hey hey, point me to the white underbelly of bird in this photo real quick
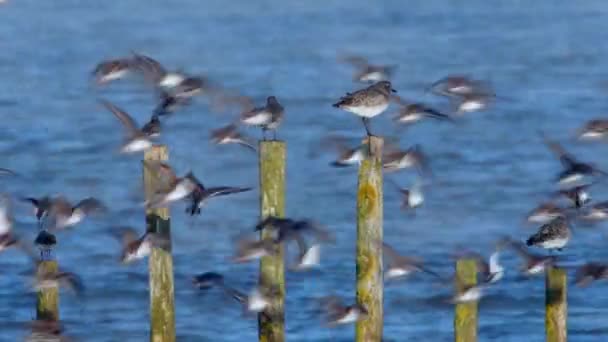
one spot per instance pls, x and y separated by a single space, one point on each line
554 243
367 111
137 145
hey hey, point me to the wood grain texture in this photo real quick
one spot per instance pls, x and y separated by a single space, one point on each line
271 323
556 302
162 301
47 303
370 286
465 315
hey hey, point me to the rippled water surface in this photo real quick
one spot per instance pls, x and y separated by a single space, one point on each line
547 60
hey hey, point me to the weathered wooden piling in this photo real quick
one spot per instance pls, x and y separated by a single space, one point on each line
465 318
556 311
370 286
271 323
47 303
162 307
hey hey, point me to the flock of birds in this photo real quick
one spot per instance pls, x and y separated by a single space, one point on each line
175 89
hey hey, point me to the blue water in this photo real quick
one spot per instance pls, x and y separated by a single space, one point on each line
546 58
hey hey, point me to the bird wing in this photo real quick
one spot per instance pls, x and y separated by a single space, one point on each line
161 170
151 69
223 190
126 120
71 281
565 158
90 204
125 235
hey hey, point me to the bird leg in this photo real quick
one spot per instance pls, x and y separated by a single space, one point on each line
367 126
264 133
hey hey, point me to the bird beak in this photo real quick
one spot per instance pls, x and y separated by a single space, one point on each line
393 90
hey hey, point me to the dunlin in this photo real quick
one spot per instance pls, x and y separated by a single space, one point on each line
309 256
545 212
366 72
589 272
596 129
578 195
112 69
64 215
68 280
368 102
412 112
135 247
412 197
230 135
7 238
169 103
289 229
152 127
248 249
597 212
552 235
336 313
458 85
256 301
491 271
347 156
398 266
136 139
41 205
533 263
395 159
268 117
468 294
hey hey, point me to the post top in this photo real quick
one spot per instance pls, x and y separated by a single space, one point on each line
45 239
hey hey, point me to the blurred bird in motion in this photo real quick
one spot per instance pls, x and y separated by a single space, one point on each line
366 72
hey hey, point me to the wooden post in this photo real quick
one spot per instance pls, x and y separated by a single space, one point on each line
556 305
369 252
465 318
47 303
271 323
162 307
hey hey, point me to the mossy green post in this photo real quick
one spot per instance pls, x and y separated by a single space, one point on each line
271 323
556 310
369 252
47 303
162 307
465 318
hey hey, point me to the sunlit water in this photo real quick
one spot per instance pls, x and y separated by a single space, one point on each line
546 59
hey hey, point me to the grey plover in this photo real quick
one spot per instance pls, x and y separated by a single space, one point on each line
230 135
112 69
574 171
268 117
552 235
136 139
337 313
589 272
366 72
368 102
63 214
595 129
533 264
398 266
395 159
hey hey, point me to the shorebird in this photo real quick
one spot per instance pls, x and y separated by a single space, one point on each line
112 69
7 172
269 117
41 205
596 212
552 235
395 159
337 313
368 102
68 280
169 103
256 301
64 215
7 237
136 139
347 156
288 229
412 197
470 293
398 266
366 72
473 102
596 129
309 256
188 186
230 135
177 83
135 247
545 212
47 329
590 272
413 112
247 249
152 127
573 170
458 85
491 271
533 263
578 195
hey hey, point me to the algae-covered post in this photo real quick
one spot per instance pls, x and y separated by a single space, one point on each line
556 305
272 269
465 318
162 309
47 303
369 252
